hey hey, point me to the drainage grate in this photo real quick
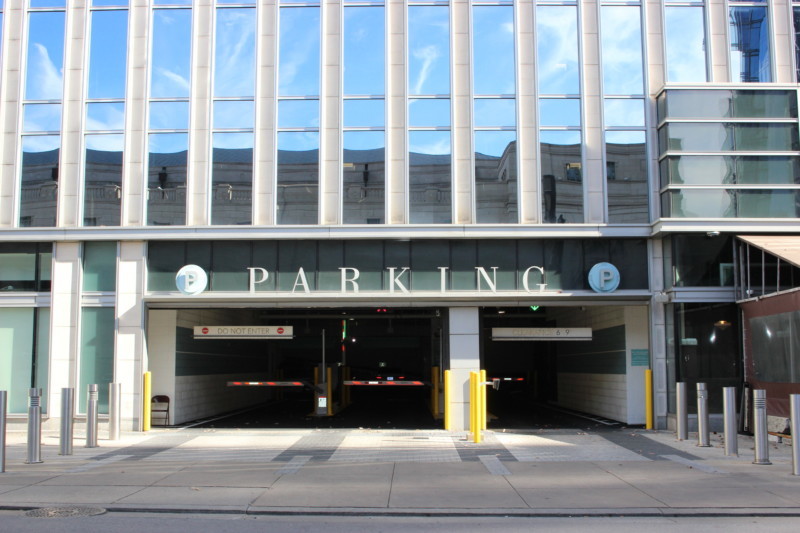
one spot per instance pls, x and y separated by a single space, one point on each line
64 512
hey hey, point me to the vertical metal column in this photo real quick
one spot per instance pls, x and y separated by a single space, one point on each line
91 417
760 427
702 416
683 411
34 427
67 424
794 417
114 395
3 403
731 433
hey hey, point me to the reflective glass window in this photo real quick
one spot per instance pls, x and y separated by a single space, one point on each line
493 50
796 24
166 179
700 203
108 50
429 112
41 118
39 180
772 170
96 355
748 30
562 176
169 115
45 57
621 41
700 170
428 50
491 112
626 177
429 177
105 116
25 267
364 113
298 114
299 51
495 177
234 114
235 52
171 53
364 177
232 179
557 48
708 137
18 326
685 43
364 50
99 266
298 178
623 112
560 112
102 199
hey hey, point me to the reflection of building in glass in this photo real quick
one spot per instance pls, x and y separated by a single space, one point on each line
562 183
496 186
39 188
750 43
430 188
166 189
626 184
364 186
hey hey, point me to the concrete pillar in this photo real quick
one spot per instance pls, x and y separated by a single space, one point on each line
130 346
397 114
264 156
465 357
330 149
161 327
461 94
10 90
527 134
199 178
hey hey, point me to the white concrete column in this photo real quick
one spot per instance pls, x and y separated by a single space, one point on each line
70 178
330 148
396 113
130 354
781 22
461 91
134 172
65 310
199 171
465 357
658 335
636 338
527 135
717 36
11 60
161 327
264 163
593 169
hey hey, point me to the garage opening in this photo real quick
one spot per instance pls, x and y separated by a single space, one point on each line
350 368
549 375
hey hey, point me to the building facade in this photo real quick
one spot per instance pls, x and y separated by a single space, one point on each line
429 173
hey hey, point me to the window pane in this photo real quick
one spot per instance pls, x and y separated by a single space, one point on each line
699 203
621 29
765 104
107 54
560 112
701 170
364 177
18 267
44 77
298 178
768 204
166 182
625 113
41 118
102 199
749 35
700 137
169 115
626 177
428 50
96 355
235 52
493 50
364 50
105 116
99 266
16 356
796 17
499 112
234 114
433 112
772 137
557 46
767 170
496 177
171 52
232 179
298 114
685 44
429 177
299 52
364 114
699 104
39 180
562 178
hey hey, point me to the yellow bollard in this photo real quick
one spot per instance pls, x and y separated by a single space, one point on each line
483 392
147 392
447 410
475 406
648 399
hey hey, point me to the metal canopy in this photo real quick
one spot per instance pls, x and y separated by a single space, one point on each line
787 247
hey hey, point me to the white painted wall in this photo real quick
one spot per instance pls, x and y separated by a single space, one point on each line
199 397
465 352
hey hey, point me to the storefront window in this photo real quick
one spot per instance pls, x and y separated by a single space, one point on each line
100 266
25 267
24 334
702 261
96 355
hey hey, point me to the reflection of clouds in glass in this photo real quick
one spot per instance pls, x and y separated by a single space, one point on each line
176 80
169 115
105 143
557 42
298 63
105 117
235 53
493 50
685 38
429 49
42 117
41 143
233 141
430 144
171 53
621 50
298 141
45 81
493 143
168 143
619 112
625 137
427 56
697 170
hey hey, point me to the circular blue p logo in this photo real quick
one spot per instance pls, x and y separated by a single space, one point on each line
604 277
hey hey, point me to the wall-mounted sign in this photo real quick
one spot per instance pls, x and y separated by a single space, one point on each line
604 277
541 334
640 357
191 280
243 332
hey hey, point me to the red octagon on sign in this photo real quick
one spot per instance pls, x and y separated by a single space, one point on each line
280 331
205 331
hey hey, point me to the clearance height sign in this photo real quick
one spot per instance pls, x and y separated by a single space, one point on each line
243 332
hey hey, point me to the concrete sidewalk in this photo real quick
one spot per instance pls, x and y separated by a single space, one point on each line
534 473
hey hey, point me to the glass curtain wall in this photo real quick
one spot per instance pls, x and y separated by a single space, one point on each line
796 27
430 181
105 113
168 122
560 135
24 347
364 137
623 113
41 113
234 114
494 89
749 35
685 40
297 192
